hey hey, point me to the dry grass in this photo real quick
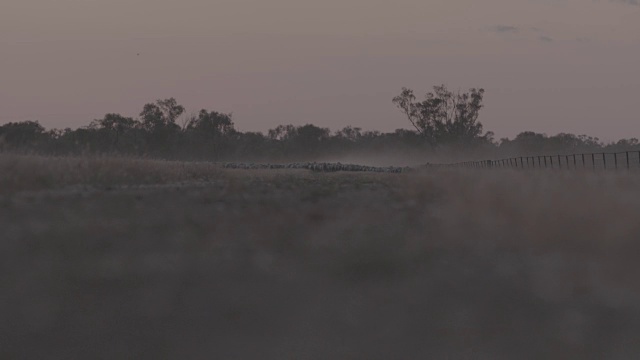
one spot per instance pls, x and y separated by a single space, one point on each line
31 173
300 265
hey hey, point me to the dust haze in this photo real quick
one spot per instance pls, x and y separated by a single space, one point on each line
336 179
119 257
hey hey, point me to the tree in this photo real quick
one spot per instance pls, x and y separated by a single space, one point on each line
210 133
158 120
115 126
211 124
114 122
283 133
351 134
444 116
311 134
300 140
161 115
22 134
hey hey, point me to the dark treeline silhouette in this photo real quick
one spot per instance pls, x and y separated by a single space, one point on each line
445 124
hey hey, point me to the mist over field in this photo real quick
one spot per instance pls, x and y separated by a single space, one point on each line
117 257
178 236
336 179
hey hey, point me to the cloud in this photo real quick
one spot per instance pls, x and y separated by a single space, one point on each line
526 31
583 39
507 29
630 2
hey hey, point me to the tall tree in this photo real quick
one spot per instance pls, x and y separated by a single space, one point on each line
158 120
210 133
161 115
211 124
114 125
444 116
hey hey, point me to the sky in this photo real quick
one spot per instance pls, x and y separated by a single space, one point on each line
547 65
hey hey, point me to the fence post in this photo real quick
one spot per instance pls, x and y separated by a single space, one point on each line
566 159
583 161
604 160
559 162
615 159
593 161
574 161
627 160
551 161
545 161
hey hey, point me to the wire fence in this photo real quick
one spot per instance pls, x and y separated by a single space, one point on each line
596 161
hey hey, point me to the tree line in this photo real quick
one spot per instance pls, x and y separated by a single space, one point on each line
444 122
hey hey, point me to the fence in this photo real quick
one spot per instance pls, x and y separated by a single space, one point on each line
602 160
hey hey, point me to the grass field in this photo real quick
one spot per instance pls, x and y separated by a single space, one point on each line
118 258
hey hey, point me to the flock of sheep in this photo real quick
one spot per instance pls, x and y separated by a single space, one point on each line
319 166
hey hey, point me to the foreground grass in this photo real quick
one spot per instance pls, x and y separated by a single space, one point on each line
299 265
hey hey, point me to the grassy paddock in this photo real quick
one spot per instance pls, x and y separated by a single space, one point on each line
299 265
32 172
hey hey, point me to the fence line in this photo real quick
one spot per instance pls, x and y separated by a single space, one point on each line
601 160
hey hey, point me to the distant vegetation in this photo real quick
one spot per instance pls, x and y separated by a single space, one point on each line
443 122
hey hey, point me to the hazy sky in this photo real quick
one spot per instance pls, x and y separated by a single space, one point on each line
547 65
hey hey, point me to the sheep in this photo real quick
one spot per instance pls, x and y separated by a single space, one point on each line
319 167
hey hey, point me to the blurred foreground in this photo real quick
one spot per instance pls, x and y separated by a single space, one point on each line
123 258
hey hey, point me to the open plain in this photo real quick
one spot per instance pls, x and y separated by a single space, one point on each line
131 258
